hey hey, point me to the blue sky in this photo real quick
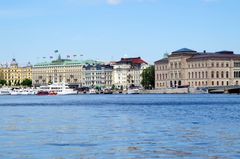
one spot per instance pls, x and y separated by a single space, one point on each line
111 29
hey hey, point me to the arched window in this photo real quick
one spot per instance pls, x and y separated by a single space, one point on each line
192 75
222 74
189 75
199 74
217 74
206 74
202 74
212 73
227 76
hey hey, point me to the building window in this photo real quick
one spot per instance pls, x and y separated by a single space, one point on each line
217 83
236 82
212 73
206 74
227 64
196 75
217 64
222 83
202 74
212 83
212 64
222 74
236 64
217 74
227 74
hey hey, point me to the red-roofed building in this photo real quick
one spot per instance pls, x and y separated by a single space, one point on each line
127 72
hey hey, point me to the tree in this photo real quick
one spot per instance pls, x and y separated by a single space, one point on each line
3 82
148 78
27 82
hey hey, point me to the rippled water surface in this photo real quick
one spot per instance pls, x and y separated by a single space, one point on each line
120 126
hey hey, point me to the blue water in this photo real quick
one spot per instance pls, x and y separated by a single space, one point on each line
120 126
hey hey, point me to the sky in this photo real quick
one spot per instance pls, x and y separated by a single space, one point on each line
107 30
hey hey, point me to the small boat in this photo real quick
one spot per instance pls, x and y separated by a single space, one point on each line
5 92
23 92
133 90
92 91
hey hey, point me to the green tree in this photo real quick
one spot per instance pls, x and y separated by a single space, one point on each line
27 82
3 82
148 78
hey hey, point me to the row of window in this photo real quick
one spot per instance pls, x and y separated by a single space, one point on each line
198 75
197 83
177 65
202 75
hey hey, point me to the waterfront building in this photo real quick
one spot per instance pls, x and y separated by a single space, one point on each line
15 74
99 75
60 71
127 72
187 67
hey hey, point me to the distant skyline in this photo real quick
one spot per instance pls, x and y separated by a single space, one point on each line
107 30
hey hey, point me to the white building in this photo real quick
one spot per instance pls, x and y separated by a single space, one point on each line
127 72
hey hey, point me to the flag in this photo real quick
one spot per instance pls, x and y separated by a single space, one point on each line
68 56
44 57
56 51
51 57
74 55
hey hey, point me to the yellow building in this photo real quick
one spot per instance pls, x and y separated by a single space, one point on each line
14 75
187 67
60 71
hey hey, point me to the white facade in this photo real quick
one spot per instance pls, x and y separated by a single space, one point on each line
128 72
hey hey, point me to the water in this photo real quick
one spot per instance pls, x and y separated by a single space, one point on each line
120 126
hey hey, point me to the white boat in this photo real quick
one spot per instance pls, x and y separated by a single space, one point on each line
133 90
5 92
92 91
23 92
58 89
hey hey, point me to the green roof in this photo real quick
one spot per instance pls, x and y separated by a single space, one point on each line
66 62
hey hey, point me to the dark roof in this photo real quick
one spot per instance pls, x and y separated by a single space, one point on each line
134 60
164 60
184 50
97 66
222 55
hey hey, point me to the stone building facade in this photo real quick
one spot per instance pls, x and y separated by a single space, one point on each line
98 75
187 67
60 71
14 74
127 72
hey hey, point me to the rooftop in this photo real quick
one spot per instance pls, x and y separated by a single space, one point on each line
133 60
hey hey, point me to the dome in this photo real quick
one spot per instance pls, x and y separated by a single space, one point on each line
14 62
184 50
29 64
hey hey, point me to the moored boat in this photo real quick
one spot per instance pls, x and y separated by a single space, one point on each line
57 89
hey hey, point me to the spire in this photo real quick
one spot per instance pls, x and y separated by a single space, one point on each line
59 57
